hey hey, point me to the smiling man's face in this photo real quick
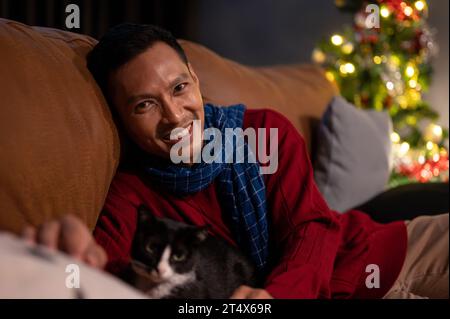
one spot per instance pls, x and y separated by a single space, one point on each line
154 93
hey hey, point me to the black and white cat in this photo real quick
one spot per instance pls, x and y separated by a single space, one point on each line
170 259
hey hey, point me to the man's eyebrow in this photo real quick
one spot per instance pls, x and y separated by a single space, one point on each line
180 78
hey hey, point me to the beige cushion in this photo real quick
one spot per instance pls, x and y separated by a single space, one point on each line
59 147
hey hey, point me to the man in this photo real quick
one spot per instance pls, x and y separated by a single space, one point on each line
280 220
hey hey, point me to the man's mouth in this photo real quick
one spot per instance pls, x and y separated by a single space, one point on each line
179 133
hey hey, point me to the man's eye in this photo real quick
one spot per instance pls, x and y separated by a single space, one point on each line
143 106
180 87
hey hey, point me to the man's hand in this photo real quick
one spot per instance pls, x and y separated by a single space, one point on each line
246 292
69 235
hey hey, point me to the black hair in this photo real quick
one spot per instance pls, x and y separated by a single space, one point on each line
121 44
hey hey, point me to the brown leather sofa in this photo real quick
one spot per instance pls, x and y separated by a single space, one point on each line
59 148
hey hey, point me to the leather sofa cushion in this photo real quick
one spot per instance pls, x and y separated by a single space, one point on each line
58 145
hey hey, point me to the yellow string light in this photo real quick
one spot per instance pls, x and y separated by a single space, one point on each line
411 120
404 148
337 40
413 96
389 85
433 133
408 11
384 11
318 56
347 48
330 76
402 101
347 68
420 5
350 68
395 60
437 130
412 83
410 71
395 138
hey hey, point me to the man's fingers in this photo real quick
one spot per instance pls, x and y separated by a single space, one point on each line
74 237
241 293
29 234
246 292
259 294
48 234
70 235
96 256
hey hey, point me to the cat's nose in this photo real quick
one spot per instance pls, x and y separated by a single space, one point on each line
161 271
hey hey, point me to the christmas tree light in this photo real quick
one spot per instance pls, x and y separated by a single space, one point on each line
388 69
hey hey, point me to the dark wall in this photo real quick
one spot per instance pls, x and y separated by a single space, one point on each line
98 15
265 32
260 32
255 32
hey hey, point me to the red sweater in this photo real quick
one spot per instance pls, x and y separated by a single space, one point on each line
318 253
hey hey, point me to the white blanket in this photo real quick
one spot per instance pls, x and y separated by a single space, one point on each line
31 271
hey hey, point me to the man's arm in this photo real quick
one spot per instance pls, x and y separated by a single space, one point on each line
117 223
305 232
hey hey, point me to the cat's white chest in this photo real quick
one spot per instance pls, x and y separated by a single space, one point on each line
164 289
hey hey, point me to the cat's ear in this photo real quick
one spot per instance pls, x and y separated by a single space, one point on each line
144 215
202 233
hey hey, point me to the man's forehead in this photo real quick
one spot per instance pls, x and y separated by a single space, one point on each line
158 54
158 65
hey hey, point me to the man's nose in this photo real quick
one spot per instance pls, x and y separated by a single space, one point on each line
173 112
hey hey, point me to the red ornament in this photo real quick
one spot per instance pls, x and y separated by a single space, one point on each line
397 7
425 172
388 102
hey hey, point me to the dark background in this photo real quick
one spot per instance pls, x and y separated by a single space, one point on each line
97 16
254 32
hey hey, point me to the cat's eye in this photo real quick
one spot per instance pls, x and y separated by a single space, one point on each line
178 257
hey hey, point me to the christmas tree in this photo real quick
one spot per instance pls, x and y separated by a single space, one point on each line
383 62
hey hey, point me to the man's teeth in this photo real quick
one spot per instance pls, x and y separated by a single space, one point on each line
180 133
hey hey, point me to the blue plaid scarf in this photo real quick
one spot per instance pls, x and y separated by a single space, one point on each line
240 185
